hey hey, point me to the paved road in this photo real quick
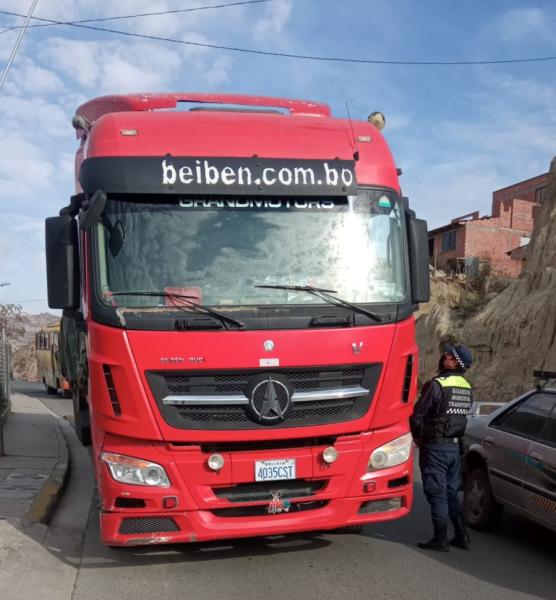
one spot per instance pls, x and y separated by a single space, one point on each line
518 561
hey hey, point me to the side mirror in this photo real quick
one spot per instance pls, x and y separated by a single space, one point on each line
62 262
418 243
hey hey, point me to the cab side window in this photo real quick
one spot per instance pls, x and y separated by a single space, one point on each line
529 417
548 433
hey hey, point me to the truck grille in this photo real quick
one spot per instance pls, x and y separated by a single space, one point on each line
221 400
258 492
196 383
256 511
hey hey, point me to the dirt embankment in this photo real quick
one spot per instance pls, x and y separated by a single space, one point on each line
24 359
514 331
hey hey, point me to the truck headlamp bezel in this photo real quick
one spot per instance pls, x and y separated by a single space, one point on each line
135 471
393 453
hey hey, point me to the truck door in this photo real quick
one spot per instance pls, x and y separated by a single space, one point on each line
540 474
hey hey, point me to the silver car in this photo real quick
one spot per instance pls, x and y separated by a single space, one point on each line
510 459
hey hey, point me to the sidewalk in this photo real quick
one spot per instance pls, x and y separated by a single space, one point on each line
33 470
40 548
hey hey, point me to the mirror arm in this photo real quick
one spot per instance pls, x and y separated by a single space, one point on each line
73 208
91 210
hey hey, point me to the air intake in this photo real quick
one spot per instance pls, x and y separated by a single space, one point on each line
148 525
112 390
407 379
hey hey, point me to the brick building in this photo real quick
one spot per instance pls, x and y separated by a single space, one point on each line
498 239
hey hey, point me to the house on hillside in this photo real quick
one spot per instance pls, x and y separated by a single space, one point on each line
500 239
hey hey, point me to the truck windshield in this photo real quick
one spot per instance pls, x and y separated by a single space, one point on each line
218 249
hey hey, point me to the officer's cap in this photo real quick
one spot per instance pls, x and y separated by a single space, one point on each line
461 353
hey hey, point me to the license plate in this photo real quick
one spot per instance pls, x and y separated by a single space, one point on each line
275 470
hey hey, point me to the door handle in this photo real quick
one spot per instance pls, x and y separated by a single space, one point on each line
489 441
535 456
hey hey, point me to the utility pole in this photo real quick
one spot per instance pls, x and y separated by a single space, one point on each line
4 350
17 43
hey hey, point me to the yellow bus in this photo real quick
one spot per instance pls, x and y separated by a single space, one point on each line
48 364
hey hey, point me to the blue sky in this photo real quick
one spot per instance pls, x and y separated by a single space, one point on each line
457 132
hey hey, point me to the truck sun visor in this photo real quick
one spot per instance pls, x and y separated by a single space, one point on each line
215 175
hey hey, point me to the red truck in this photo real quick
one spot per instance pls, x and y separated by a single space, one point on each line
238 276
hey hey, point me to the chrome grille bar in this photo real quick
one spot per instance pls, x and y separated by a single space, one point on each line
333 394
241 399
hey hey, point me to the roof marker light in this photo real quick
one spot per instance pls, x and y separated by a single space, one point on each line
377 119
129 132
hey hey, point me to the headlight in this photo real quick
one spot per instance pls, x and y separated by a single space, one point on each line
135 471
391 454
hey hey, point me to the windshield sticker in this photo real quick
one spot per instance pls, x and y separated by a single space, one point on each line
384 202
279 203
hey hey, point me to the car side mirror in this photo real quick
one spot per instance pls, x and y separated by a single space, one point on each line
62 262
418 244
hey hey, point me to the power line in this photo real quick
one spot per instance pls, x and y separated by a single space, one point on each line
19 301
134 16
17 43
444 63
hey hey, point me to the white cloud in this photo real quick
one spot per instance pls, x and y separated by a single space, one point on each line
525 24
277 15
30 79
118 67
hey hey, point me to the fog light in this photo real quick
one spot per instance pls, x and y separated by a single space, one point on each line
329 455
170 502
215 462
376 506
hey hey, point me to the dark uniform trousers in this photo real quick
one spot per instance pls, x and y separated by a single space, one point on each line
441 475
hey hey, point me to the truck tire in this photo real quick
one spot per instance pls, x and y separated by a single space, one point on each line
479 505
82 421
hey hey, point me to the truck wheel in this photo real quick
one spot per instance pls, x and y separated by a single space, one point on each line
82 422
479 506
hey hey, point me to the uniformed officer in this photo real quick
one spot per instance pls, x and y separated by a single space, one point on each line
438 424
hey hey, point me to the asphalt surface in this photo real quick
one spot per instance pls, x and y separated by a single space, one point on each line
518 560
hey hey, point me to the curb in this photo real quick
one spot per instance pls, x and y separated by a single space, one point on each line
42 507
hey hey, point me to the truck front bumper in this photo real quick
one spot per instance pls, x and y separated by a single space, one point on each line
202 504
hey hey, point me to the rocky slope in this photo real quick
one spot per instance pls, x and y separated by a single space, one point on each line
515 332
24 360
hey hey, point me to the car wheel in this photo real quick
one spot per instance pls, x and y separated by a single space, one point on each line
479 506
51 391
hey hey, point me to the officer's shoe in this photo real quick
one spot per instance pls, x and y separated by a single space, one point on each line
439 541
461 539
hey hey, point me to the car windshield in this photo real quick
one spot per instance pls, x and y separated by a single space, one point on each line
216 250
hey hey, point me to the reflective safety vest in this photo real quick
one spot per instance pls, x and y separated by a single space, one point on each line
451 417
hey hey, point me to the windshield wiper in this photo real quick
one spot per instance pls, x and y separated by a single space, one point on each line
195 306
325 295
